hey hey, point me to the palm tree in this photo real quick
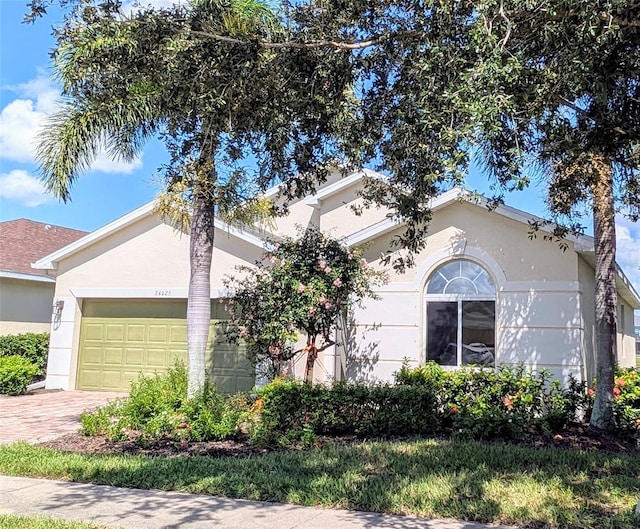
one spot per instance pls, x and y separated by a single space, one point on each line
128 79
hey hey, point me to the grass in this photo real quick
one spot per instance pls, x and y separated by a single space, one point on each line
487 482
9 521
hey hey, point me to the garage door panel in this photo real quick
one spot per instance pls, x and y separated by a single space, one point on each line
94 332
91 379
157 357
92 355
136 332
158 333
134 356
115 332
116 346
111 380
178 333
113 356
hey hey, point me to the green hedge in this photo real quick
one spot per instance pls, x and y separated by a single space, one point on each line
31 346
289 408
16 373
507 403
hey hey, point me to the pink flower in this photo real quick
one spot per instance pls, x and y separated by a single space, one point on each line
322 299
363 262
327 270
272 259
328 305
322 264
243 333
386 279
312 310
337 282
301 287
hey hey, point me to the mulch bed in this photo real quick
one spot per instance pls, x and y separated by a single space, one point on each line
577 437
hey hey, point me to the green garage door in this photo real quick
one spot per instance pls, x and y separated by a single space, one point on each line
119 340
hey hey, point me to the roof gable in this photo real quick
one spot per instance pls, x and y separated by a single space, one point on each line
50 261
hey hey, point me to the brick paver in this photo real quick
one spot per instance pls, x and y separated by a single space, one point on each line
42 416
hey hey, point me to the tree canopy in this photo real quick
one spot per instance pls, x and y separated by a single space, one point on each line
530 89
302 286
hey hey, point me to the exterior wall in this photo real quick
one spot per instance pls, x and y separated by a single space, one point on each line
538 299
626 339
544 296
25 306
586 275
146 260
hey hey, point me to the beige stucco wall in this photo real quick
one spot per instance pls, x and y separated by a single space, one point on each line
505 240
25 306
145 260
148 254
586 275
626 338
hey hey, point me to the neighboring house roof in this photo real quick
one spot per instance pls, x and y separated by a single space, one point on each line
24 241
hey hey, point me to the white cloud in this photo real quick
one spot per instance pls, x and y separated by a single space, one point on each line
628 248
20 186
22 119
104 164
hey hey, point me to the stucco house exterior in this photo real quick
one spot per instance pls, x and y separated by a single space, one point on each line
26 294
482 292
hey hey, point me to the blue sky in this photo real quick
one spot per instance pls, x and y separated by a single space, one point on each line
111 189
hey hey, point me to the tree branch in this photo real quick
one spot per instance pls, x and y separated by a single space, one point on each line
312 44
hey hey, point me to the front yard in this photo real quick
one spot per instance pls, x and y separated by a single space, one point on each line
469 480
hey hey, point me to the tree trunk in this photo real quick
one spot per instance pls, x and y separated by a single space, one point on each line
199 302
606 300
312 354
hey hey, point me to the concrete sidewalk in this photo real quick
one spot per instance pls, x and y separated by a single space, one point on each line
151 509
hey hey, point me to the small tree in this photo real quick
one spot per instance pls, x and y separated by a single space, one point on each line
301 286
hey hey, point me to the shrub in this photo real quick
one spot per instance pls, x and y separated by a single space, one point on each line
626 393
31 346
287 411
15 374
627 400
158 407
508 402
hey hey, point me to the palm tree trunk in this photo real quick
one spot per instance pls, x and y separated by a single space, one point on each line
606 300
199 302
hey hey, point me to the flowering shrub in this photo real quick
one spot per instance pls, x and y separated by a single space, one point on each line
626 399
301 286
507 403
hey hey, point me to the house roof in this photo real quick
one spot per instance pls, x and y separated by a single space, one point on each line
583 244
24 241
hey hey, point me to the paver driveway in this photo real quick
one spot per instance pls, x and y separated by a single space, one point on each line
45 415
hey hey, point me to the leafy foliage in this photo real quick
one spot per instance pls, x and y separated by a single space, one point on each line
16 373
157 407
301 286
31 346
509 403
626 391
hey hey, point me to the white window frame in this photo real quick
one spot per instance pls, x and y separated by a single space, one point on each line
459 299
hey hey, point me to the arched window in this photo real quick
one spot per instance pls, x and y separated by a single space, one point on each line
461 315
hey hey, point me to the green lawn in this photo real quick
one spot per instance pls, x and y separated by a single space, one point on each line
8 521
489 482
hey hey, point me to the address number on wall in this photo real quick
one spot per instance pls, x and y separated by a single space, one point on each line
163 293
